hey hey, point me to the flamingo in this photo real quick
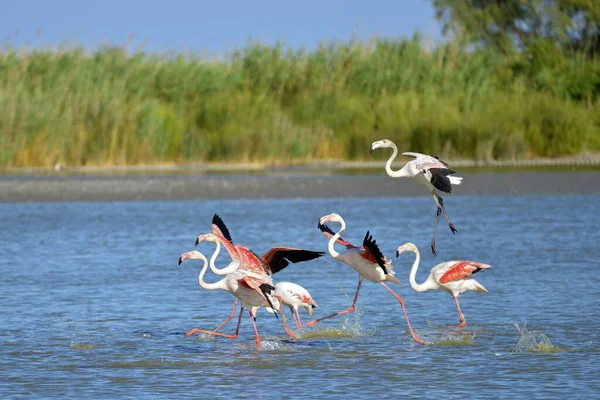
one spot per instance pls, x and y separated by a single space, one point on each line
273 261
253 290
426 170
295 296
367 260
451 276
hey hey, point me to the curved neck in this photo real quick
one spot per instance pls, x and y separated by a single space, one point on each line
388 164
210 286
334 238
222 271
413 274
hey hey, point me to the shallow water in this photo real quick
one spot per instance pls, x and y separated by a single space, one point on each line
94 304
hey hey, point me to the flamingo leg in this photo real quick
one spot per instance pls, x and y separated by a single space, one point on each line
253 318
415 337
463 321
234 336
290 334
437 220
228 319
298 318
350 310
450 225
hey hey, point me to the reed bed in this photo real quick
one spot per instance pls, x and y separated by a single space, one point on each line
274 104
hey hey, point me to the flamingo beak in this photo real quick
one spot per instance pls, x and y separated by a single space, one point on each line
198 240
399 251
183 257
323 220
371 149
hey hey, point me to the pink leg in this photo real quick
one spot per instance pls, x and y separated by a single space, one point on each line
253 317
234 336
298 322
416 339
281 307
228 319
463 322
351 309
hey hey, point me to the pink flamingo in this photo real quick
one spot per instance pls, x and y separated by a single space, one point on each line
451 276
426 170
253 290
247 275
295 296
273 261
367 260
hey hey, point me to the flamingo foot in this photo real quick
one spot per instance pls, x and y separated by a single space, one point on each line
452 228
311 323
433 249
461 325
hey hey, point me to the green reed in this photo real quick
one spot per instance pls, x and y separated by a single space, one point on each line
275 104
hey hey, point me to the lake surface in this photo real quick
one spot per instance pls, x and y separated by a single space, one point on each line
94 304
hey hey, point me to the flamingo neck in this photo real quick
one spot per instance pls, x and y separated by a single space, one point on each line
388 165
334 238
210 286
413 274
222 271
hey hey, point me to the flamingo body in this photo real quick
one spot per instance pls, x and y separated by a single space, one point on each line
451 276
426 170
295 297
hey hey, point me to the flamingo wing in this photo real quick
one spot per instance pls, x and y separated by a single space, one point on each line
277 258
425 158
372 253
462 269
251 262
220 231
329 234
438 177
262 287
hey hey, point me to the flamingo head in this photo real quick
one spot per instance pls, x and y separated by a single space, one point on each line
330 218
192 255
381 144
311 305
406 247
209 237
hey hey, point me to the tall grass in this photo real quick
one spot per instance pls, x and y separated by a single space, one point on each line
274 104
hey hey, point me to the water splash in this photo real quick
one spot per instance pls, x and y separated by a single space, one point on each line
82 346
535 341
450 340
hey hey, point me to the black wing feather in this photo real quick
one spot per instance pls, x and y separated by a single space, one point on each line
266 289
371 244
326 229
221 225
440 180
283 258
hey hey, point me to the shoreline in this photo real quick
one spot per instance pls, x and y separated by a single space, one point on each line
148 187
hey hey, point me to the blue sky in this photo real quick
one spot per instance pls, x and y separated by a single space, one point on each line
209 27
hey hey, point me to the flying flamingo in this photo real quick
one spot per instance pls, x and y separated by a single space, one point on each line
273 261
426 170
295 296
451 276
254 291
367 260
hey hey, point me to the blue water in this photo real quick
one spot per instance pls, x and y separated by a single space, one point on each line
94 304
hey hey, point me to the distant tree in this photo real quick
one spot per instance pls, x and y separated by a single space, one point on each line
507 25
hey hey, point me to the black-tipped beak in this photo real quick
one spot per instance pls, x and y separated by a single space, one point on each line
371 149
197 241
397 253
180 260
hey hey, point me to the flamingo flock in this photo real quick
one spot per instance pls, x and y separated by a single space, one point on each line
249 277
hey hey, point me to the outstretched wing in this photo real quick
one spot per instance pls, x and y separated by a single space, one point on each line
439 178
329 234
222 233
425 158
462 269
219 228
278 258
372 253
